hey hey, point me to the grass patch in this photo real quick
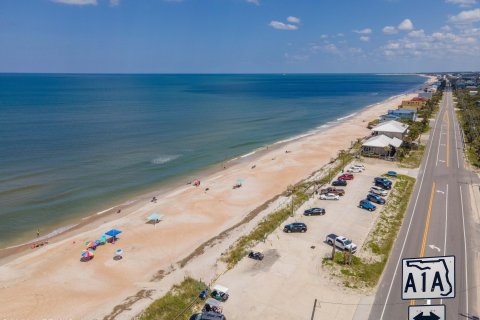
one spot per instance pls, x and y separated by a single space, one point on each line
413 158
363 272
181 298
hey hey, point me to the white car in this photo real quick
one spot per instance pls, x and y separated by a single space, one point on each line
354 170
329 196
360 166
379 191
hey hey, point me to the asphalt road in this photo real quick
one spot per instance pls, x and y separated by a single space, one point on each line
437 223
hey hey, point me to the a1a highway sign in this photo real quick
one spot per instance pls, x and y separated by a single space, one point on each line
430 312
428 278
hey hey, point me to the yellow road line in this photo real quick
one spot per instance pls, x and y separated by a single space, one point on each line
427 223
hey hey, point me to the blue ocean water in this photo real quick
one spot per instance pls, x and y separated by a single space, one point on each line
72 144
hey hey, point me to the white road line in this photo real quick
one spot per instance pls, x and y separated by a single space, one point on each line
410 222
455 133
446 221
465 245
440 138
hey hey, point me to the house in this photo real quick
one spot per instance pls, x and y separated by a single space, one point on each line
426 95
472 93
407 114
381 145
414 104
391 129
388 117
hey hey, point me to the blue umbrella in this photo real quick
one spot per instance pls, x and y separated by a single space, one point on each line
154 216
113 233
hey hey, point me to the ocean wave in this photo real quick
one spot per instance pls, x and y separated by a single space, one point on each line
346 117
165 159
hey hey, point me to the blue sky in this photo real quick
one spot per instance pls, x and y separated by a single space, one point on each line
239 36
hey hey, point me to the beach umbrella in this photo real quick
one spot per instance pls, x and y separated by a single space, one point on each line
155 217
88 253
118 252
102 239
113 233
91 244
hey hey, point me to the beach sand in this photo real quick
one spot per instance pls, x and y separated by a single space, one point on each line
51 282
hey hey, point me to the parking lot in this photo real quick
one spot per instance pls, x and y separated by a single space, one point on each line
285 284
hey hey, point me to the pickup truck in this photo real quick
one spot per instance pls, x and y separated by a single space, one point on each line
333 190
341 242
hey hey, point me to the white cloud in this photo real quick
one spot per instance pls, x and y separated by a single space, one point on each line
324 36
365 38
466 16
257 2
293 19
417 33
389 30
77 2
282 26
114 3
363 31
462 3
340 34
405 25
392 45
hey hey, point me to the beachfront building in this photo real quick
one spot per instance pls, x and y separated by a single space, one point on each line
391 129
414 104
472 93
381 146
405 114
425 95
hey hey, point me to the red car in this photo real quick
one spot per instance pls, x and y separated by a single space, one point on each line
346 176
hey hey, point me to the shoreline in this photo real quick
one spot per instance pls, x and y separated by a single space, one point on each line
164 188
192 216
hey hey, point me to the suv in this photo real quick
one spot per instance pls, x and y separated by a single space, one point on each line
375 198
387 185
339 183
367 205
208 316
314 212
333 190
295 227
329 196
382 179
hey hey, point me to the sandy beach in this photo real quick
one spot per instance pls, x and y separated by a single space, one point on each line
51 282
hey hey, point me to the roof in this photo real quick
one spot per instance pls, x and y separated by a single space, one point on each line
382 141
402 111
391 126
419 99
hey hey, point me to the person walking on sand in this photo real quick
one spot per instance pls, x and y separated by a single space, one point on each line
38 233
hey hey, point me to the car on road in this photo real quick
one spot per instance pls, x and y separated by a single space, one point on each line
339 183
333 190
329 196
346 176
367 205
255 255
341 242
379 191
314 212
354 170
295 227
208 316
375 198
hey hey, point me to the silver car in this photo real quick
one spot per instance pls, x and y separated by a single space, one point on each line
379 191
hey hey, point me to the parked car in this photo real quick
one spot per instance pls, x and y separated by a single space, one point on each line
314 212
208 316
354 170
333 190
341 242
357 165
339 183
255 255
379 191
220 293
367 205
392 173
329 196
346 176
295 227
375 198
382 179
384 185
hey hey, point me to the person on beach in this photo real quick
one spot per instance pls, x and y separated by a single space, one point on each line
38 233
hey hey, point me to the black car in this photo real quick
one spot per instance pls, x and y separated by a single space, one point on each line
339 183
375 198
208 316
384 184
255 255
314 212
295 227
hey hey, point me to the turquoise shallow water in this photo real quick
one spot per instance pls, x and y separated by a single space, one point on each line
71 144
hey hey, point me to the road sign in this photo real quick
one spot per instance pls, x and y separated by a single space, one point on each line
430 312
428 278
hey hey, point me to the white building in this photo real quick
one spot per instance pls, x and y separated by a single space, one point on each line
381 145
391 129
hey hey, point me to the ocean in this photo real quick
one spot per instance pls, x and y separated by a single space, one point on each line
75 144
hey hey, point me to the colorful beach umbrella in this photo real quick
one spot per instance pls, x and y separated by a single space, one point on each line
91 244
88 253
113 233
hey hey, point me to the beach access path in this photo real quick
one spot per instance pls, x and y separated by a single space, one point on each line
51 282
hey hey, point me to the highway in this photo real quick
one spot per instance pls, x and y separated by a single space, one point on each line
437 223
